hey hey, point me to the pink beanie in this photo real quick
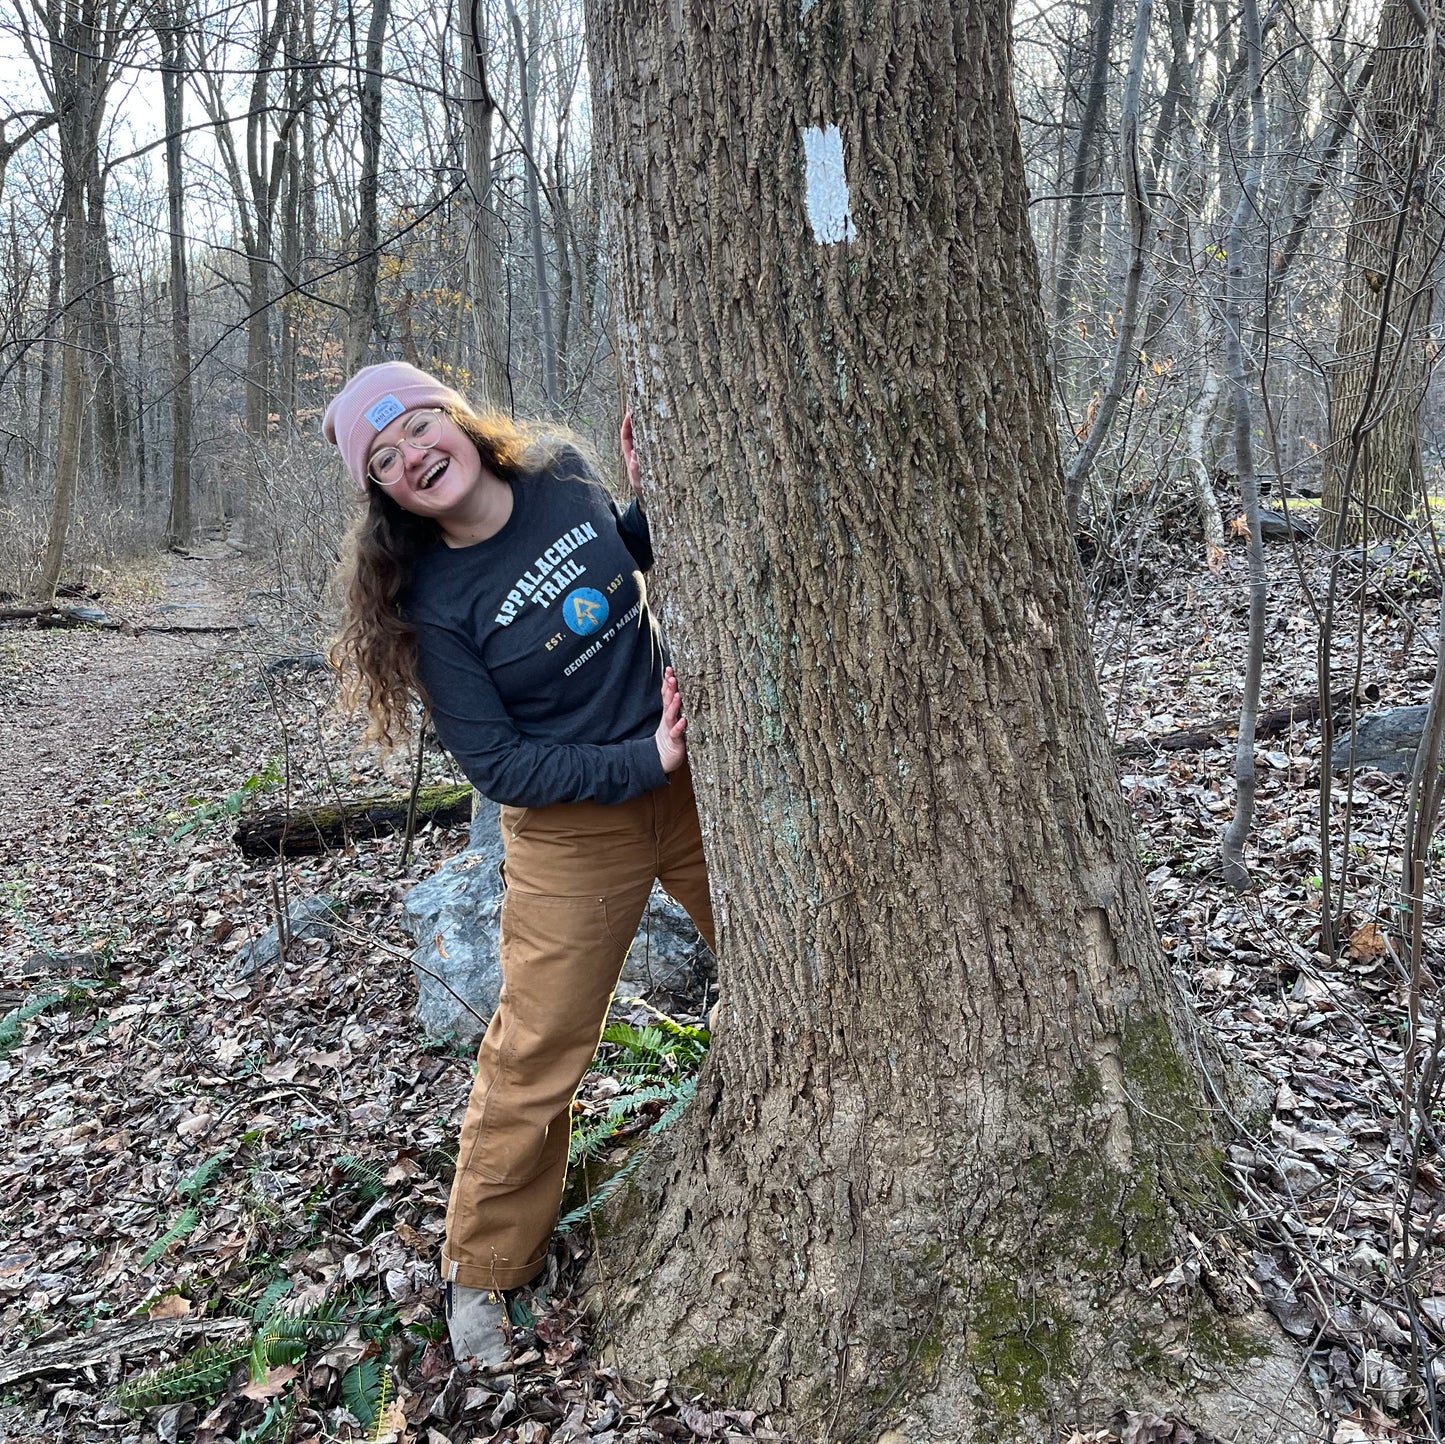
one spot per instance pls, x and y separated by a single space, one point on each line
372 400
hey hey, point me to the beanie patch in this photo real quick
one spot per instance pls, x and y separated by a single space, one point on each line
383 412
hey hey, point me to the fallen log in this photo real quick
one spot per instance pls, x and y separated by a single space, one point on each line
128 1341
301 831
1200 736
215 630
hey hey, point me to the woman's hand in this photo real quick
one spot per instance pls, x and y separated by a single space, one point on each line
672 730
629 456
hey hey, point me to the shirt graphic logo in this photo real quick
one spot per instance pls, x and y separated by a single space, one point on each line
585 610
384 412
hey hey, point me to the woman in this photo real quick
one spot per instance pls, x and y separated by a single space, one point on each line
492 577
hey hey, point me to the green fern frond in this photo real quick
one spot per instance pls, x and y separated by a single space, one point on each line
686 1091
361 1391
185 1224
382 1400
626 1104
698 1035
14 1021
275 1423
201 1374
361 1176
270 1299
195 1182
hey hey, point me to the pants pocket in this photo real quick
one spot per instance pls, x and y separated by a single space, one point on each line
559 966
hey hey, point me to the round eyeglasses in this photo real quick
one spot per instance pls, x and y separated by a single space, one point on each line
421 431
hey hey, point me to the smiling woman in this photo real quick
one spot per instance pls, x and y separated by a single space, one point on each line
493 579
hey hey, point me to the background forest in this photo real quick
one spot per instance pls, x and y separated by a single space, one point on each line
210 214
238 203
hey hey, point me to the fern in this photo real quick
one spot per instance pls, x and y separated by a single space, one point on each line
684 1095
194 1183
12 1023
692 1039
267 1304
278 1412
658 1064
184 1225
382 1400
361 1176
201 1374
285 1334
361 1391
590 1139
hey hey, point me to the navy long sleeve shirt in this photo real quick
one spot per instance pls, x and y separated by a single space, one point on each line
538 652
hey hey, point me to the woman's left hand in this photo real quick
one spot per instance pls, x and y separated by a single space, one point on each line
629 456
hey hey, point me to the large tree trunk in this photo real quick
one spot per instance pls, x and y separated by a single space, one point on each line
952 1125
1374 476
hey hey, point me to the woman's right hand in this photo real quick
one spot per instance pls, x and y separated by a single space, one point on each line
672 730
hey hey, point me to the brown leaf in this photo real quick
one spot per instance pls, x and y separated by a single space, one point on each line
1367 943
1239 528
173 1306
275 1381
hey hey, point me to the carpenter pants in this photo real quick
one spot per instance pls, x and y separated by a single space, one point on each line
578 876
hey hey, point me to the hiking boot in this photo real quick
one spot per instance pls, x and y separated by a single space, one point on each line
478 1325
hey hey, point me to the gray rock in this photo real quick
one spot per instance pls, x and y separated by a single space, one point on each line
454 917
1387 740
1274 526
307 917
461 904
86 616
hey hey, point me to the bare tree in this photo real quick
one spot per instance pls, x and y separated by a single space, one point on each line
487 313
1241 249
73 44
527 52
170 20
361 316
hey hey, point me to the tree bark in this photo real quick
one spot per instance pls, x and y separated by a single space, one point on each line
488 313
170 27
546 331
75 74
109 410
1084 175
1393 239
361 316
1240 249
1136 215
952 1124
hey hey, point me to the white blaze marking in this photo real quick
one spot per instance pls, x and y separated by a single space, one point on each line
827 187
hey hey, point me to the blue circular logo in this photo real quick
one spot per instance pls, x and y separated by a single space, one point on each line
585 610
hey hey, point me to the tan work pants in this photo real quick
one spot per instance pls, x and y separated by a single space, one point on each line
578 876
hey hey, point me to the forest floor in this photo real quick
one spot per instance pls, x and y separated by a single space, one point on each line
181 1148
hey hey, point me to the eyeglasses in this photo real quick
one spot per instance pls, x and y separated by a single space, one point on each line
422 431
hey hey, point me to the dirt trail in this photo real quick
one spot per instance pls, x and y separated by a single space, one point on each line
69 699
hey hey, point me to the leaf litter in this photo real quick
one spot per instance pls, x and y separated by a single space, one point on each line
192 1133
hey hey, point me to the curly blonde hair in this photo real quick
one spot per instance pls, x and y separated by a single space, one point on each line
375 650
